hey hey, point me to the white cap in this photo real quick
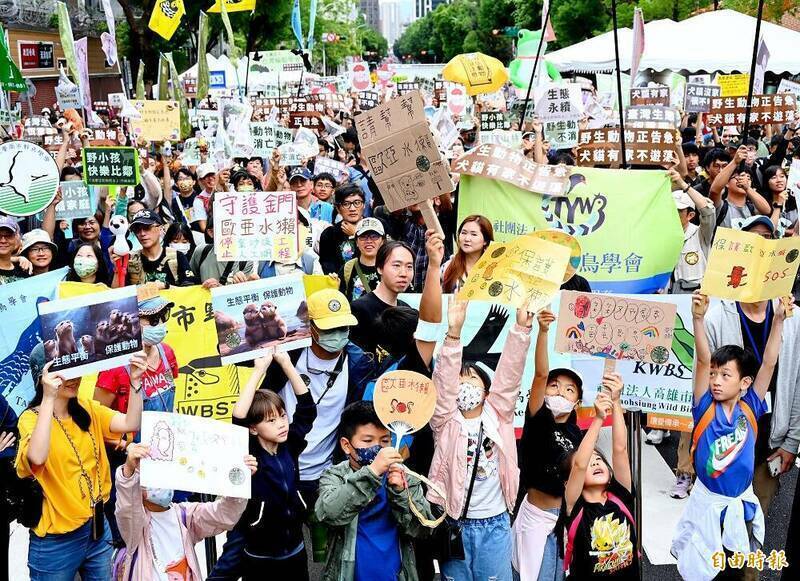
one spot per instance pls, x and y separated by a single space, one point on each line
682 200
370 225
205 169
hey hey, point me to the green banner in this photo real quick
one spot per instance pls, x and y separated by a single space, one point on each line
68 42
625 221
110 166
140 82
163 78
10 77
202 58
179 96
233 51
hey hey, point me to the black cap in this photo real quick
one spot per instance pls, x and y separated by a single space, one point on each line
569 373
146 218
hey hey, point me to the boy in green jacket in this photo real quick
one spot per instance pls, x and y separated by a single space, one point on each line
364 502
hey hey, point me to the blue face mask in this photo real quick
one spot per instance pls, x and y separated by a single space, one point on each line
334 340
366 456
160 496
154 335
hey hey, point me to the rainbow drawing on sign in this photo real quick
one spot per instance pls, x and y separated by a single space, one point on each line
650 332
573 333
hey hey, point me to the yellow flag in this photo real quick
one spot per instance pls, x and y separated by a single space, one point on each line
233 5
166 17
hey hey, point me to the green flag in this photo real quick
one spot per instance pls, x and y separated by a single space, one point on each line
68 42
179 96
233 52
10 77
163 78
140 82
202 58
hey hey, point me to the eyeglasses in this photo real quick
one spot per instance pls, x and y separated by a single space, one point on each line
41 249
89 224
370 236
156 319
324 185
352 204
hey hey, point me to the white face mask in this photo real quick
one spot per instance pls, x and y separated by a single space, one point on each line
558 404
182 247
469 396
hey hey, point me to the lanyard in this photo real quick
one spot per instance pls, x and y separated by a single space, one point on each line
746 329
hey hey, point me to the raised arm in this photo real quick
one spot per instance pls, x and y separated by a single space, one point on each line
619 433
430 305
719 183
242 405
759 201
772 349
39 445
541 361
447 373
702 367
131 420
129 510
507 377
583 455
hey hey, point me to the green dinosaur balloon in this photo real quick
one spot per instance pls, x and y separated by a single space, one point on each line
520 68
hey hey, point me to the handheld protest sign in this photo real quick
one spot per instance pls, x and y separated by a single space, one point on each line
570 242
29 178
404 402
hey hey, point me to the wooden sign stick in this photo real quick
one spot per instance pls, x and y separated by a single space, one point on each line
430 217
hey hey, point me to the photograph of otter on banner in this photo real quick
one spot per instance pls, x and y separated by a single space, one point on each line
91 333
260 317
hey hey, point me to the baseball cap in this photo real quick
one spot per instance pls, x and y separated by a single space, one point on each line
748 224
573 375
37 236
9 223
299 172
329 309
370 225
205 169
146 218
682 200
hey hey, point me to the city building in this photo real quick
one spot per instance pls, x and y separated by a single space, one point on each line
371 11
425 6
395 15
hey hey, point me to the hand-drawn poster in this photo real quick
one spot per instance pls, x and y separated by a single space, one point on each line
526 272
401 152
91 333
268 136
260 317
404 400
745 267
160 120
613 327
256 226
195 454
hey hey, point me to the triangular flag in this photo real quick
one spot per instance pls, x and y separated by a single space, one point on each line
297 25
234 6
202 58
109 39
10 76
549 33
233 51
180 97
140 82
67 41
166 17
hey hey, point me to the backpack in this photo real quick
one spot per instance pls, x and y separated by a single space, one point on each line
349 267
573 528
120 563
136 269
228 267
708 416
723 211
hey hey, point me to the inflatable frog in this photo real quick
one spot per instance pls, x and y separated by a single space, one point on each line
520 68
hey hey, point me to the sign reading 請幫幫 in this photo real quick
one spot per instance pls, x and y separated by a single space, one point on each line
625 222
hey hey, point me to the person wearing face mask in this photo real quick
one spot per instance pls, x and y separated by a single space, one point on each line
179 237
87 265
160 534
550 435
245 182
475 458
364 501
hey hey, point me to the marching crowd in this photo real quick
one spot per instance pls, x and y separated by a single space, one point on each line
548 506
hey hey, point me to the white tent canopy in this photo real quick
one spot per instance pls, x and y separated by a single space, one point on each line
719 40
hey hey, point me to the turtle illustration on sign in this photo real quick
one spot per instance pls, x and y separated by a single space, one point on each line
29 178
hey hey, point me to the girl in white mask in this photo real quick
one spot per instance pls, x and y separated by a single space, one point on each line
550 435
475 458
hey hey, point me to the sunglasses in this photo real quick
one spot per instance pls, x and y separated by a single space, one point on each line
156 319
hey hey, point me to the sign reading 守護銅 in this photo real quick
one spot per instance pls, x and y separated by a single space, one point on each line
625 221
110 166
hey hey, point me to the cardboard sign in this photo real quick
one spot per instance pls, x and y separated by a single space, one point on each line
260 317
110 166
526 272
68 94
29 177
698 97
191 152
337 169
160 120
457 99
747 268
562 134
491 120
195 454
614 327
652 117
507 165
90 333
650 96
734 85
401 152
642 147
268 136
77 201
765 109
404 400
256 226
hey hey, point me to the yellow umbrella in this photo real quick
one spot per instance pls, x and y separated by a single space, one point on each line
478 72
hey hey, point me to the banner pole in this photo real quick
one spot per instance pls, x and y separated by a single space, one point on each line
619 88
535 67
752 72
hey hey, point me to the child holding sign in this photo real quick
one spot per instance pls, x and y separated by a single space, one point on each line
597 514
475 458
729 390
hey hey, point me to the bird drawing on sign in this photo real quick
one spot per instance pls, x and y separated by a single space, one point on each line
15 365
20 184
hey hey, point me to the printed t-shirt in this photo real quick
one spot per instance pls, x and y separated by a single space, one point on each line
544 446
64 508
156 382
487 495
170 563
725 455
377 541
605 539
12 275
